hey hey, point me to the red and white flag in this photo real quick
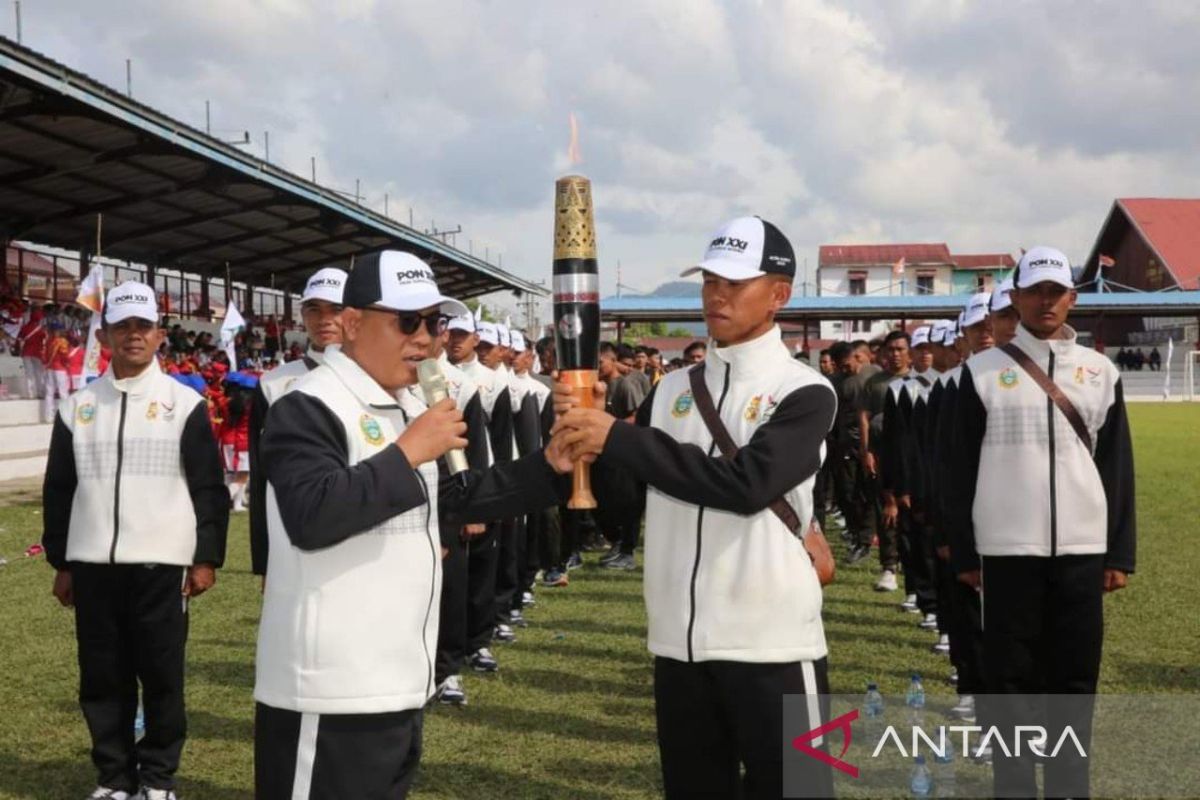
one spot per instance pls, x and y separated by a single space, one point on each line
1107 261
898 267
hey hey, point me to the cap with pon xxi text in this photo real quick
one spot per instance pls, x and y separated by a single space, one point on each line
976 310
325 284
130 299
747 248
1041 264
397 281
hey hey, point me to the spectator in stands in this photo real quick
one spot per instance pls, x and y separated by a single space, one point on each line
57 379
32 338
1139 359
1121 359
1155 359
695 352
272 343
826 363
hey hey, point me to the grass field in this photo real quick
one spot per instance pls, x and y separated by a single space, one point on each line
570 715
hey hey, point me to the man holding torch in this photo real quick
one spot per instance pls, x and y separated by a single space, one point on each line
732 595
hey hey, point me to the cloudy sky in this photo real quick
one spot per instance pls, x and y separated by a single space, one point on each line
989 125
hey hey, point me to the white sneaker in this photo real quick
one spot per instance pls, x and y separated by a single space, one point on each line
451 693
910 604
104 793
942 646
886 582
155 794
965 707
929 623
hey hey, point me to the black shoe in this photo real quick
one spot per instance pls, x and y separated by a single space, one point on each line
858 554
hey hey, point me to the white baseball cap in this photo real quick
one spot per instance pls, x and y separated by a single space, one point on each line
747 248
503 335
487 332
976 310
518 341
130 299
939 330
1040 264
921 336
463 322
397 281
325 284
1001 299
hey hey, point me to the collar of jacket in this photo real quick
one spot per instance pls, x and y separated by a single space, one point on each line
139 384
1041 348
356 379
317 355
748 359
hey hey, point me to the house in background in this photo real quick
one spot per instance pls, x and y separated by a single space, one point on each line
980 272
901 269
1146 244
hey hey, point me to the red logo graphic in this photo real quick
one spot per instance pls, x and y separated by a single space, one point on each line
801 742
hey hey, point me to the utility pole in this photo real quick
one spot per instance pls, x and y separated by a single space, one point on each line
17 5
207 119
312 160
267 146
129 77
385 204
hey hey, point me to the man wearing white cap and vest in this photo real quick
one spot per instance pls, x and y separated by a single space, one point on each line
1003 317
730 452
135 512
469 336
350 614
321 312
1042 511
508 592
958 603
457 538
532 424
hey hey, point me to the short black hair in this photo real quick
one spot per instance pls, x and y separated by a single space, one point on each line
824 352
624 351
840 351
543 346
608 348
859 343
699 344
900 334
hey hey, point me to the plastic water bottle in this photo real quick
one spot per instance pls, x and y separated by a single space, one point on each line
915 697
920 782
872 711
139 724
943 767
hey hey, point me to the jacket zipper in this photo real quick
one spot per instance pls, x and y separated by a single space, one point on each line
112 552
1053 488
433 552
700 532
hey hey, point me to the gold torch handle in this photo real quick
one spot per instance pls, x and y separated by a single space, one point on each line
581 382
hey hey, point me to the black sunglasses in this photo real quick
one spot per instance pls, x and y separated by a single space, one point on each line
435 322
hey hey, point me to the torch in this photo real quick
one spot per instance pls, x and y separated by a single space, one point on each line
576 305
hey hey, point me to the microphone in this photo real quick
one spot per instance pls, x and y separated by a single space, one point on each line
433 385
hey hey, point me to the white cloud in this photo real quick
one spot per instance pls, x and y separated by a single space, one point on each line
989 126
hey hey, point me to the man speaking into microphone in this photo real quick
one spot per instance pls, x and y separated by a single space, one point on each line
350 616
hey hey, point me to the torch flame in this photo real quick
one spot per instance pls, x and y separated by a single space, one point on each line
573 154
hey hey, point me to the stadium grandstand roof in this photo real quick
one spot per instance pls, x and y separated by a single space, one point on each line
73 150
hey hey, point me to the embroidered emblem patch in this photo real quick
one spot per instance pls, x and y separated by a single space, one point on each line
768 410
85 413
751 413
152 410
1079 375
370 429
1008 378
683 405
